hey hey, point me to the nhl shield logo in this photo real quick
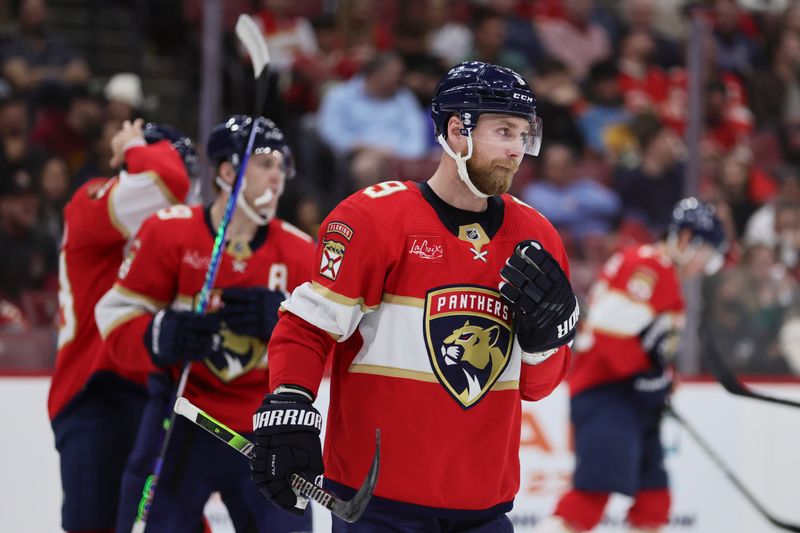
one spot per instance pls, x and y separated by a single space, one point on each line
468 334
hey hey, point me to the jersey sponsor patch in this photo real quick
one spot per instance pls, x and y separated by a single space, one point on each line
468 334
426 248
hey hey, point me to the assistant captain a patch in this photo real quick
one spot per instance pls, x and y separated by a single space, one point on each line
468 337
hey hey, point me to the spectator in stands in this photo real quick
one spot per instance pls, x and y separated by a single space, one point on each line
604 109
489 41
29 258
776 89
776 224
371 118
16 151
124 97
54 192
288 36
67 132
644 85
98 156
557 99
450 34
576 205
746 308
35 55
639 15
650 189
521 36
734 188
575 40
736 51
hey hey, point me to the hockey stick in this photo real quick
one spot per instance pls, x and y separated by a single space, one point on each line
253 41
347 510
729 473
728 379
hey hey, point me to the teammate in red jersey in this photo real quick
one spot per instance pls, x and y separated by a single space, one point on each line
152 300
94 404
444 304
622 376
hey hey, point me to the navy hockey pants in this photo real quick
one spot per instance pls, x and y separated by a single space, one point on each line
617 442
195 466
371 522
94 435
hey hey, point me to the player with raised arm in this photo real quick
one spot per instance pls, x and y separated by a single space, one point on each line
95 404
444 304
622 375
148 323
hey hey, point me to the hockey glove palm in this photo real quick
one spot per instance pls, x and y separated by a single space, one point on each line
174 336
536 288
287 438
251 311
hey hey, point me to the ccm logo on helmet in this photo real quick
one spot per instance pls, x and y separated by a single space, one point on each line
523 97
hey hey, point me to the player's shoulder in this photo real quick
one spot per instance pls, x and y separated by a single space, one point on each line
94 190
290 234
648 256
175 223
526 220
519 210
380 203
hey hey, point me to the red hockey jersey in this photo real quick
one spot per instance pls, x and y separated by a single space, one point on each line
635 287
99 220
167 268
422 347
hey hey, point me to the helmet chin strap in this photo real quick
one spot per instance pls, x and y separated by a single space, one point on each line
260 217
461 163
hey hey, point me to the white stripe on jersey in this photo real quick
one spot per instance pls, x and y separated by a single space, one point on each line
616 313
120 305
393 335
134 198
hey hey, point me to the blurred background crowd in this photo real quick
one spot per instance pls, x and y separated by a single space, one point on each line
351 84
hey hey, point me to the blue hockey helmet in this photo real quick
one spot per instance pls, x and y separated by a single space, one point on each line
228 141
154 132
705 226
473 87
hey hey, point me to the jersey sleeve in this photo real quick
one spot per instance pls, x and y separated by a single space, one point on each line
632 292
147 282
347 275
155 178
538 380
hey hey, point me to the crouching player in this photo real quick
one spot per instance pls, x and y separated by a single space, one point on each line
622 374
148 323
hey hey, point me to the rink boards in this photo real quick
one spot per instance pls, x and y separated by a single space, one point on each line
758 440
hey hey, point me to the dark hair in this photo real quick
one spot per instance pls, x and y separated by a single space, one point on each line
645 127
481 14
378 62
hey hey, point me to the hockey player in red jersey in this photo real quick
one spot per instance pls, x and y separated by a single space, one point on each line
94 404
148 324
444 303
622 375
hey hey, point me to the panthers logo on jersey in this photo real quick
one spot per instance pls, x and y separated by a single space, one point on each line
239 353
468 334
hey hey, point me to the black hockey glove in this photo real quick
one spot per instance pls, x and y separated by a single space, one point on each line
660 339
287 438
545 309
251 311
174 336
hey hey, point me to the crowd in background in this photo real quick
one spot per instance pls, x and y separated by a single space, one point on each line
351 85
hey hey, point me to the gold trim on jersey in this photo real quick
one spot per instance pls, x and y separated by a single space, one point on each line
473 234
127 317
335 297
112 214
416 375
159 304
404 300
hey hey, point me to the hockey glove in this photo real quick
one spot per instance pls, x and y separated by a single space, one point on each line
660 339
545 309
251 311
174 336
287 440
